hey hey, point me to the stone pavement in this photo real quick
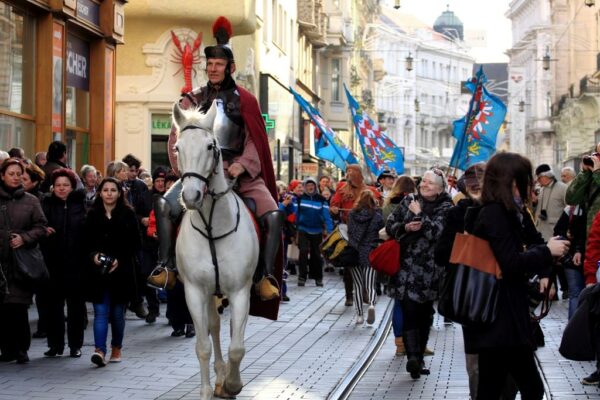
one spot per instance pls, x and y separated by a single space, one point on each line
387 378
302 356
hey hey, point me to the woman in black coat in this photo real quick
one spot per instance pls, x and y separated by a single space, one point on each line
364 223
22 223
65 210
112 239
506 346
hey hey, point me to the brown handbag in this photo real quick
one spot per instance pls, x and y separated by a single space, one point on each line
470 291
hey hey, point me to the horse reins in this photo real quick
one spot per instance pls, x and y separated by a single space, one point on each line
208 225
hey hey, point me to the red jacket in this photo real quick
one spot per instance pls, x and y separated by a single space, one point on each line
592 252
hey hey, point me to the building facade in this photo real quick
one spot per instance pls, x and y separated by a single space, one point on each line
531 87
418 103
58 76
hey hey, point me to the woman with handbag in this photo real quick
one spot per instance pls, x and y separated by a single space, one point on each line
65 210
417 224
23 225
364 223
111 240
403 186
505 346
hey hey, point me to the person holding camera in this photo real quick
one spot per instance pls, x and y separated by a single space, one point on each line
417 223
585 189
112 239
551 200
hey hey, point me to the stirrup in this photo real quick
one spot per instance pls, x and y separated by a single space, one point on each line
162 278
267 288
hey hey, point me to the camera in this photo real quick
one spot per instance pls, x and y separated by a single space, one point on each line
587 160
106 263
543 215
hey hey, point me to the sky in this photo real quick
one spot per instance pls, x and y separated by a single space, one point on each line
481 15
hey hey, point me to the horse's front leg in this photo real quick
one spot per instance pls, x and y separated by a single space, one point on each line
198 302
214 321
240 306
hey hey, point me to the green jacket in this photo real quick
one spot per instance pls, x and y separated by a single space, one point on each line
580 192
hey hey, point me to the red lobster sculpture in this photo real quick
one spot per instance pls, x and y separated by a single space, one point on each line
187 57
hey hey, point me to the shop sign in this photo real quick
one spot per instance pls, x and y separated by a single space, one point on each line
78 66
161 124
88 11
310 169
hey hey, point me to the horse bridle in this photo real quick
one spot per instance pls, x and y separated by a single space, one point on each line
208 224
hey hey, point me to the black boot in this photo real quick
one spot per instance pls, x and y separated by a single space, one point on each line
163 276
412 344
272 224
424 337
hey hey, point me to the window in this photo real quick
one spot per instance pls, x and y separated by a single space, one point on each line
335 79
17 61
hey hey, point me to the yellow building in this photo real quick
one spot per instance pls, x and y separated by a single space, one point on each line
150 75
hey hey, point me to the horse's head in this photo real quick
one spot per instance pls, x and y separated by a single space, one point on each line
198 152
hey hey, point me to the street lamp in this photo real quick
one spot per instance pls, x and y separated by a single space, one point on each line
546 60
397 4
408 61
590 3
521 106
417 108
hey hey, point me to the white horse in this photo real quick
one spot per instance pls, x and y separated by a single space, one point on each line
213 211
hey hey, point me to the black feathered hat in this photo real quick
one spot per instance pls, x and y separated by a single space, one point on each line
222 31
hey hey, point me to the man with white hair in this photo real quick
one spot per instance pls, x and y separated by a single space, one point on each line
567 174
551 200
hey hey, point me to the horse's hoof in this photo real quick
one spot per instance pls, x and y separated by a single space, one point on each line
232 390
222 394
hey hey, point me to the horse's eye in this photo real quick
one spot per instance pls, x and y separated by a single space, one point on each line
210 147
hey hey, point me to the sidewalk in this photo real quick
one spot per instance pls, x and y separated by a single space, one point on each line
387 378
302 355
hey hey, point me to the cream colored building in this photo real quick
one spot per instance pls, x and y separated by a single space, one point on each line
148 81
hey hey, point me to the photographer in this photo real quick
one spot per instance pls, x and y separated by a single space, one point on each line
584 190
112 239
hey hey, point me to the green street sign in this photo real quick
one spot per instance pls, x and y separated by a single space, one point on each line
269 123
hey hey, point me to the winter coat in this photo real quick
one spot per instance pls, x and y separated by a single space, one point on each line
584 191
551 199
25 217
117 237
509 233
389 208
363 232
312 213
455 223
419 275
572 225
62 250
592 252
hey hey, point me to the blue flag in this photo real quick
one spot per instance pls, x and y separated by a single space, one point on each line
477 131
328 145
379 151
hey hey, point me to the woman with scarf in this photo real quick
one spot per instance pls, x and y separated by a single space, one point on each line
417 224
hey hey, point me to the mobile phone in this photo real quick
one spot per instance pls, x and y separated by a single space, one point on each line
416 219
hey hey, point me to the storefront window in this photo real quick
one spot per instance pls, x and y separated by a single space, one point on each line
17 132
17 61
161 127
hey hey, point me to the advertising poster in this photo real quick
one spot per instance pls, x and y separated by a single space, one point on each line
57 76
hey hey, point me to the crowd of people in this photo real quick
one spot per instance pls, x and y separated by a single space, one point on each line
98 245
99 240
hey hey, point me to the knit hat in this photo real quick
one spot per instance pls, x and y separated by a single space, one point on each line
293 184
159 172
544 170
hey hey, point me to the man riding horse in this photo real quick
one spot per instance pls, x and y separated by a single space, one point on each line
246 157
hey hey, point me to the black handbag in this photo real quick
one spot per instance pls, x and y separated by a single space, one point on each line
470 291
30 266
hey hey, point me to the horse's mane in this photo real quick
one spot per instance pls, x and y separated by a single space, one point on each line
192 117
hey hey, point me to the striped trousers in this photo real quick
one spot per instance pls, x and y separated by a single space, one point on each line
364 284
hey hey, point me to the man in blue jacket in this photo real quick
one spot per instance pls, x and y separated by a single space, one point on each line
312 214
